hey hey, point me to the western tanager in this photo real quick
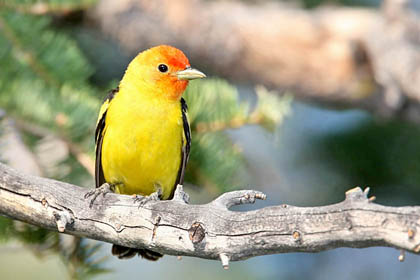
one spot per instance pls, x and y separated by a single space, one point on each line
142 134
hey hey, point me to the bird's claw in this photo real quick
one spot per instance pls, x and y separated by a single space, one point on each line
143 200
103 189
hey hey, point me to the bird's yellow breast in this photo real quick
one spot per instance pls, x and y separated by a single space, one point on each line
142 143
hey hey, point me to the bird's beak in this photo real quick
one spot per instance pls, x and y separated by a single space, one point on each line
190 74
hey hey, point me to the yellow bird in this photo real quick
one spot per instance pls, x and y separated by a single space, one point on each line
143 135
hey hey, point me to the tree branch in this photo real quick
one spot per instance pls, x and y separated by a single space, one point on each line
211 230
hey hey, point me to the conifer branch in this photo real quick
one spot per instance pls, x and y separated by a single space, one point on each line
28 56
210 231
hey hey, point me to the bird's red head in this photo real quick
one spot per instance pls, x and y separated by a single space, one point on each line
163 70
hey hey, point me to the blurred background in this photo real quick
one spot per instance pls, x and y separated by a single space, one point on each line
306 99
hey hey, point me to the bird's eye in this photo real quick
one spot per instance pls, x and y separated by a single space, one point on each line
163 68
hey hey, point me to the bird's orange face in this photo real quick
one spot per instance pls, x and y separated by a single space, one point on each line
164 70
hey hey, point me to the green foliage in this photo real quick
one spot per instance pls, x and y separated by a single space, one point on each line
5 229
79 255
211 165
45 76
26 233
271 110
213 101
214 107
84 261
38 52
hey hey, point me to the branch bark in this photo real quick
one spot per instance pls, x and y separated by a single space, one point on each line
352 57
210 231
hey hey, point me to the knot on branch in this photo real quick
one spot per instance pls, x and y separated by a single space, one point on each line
411 233
197 233
297 236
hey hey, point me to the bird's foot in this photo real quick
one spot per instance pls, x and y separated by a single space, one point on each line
103 189
180 195
143 200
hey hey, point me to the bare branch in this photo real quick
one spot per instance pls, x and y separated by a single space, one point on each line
209 231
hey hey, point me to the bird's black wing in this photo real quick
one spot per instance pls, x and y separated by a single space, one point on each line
186 145
99 137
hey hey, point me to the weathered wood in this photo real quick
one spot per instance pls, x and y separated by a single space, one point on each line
210 231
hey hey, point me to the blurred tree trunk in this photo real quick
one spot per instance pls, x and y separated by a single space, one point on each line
352 57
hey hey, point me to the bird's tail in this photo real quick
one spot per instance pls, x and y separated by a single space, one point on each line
125 253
